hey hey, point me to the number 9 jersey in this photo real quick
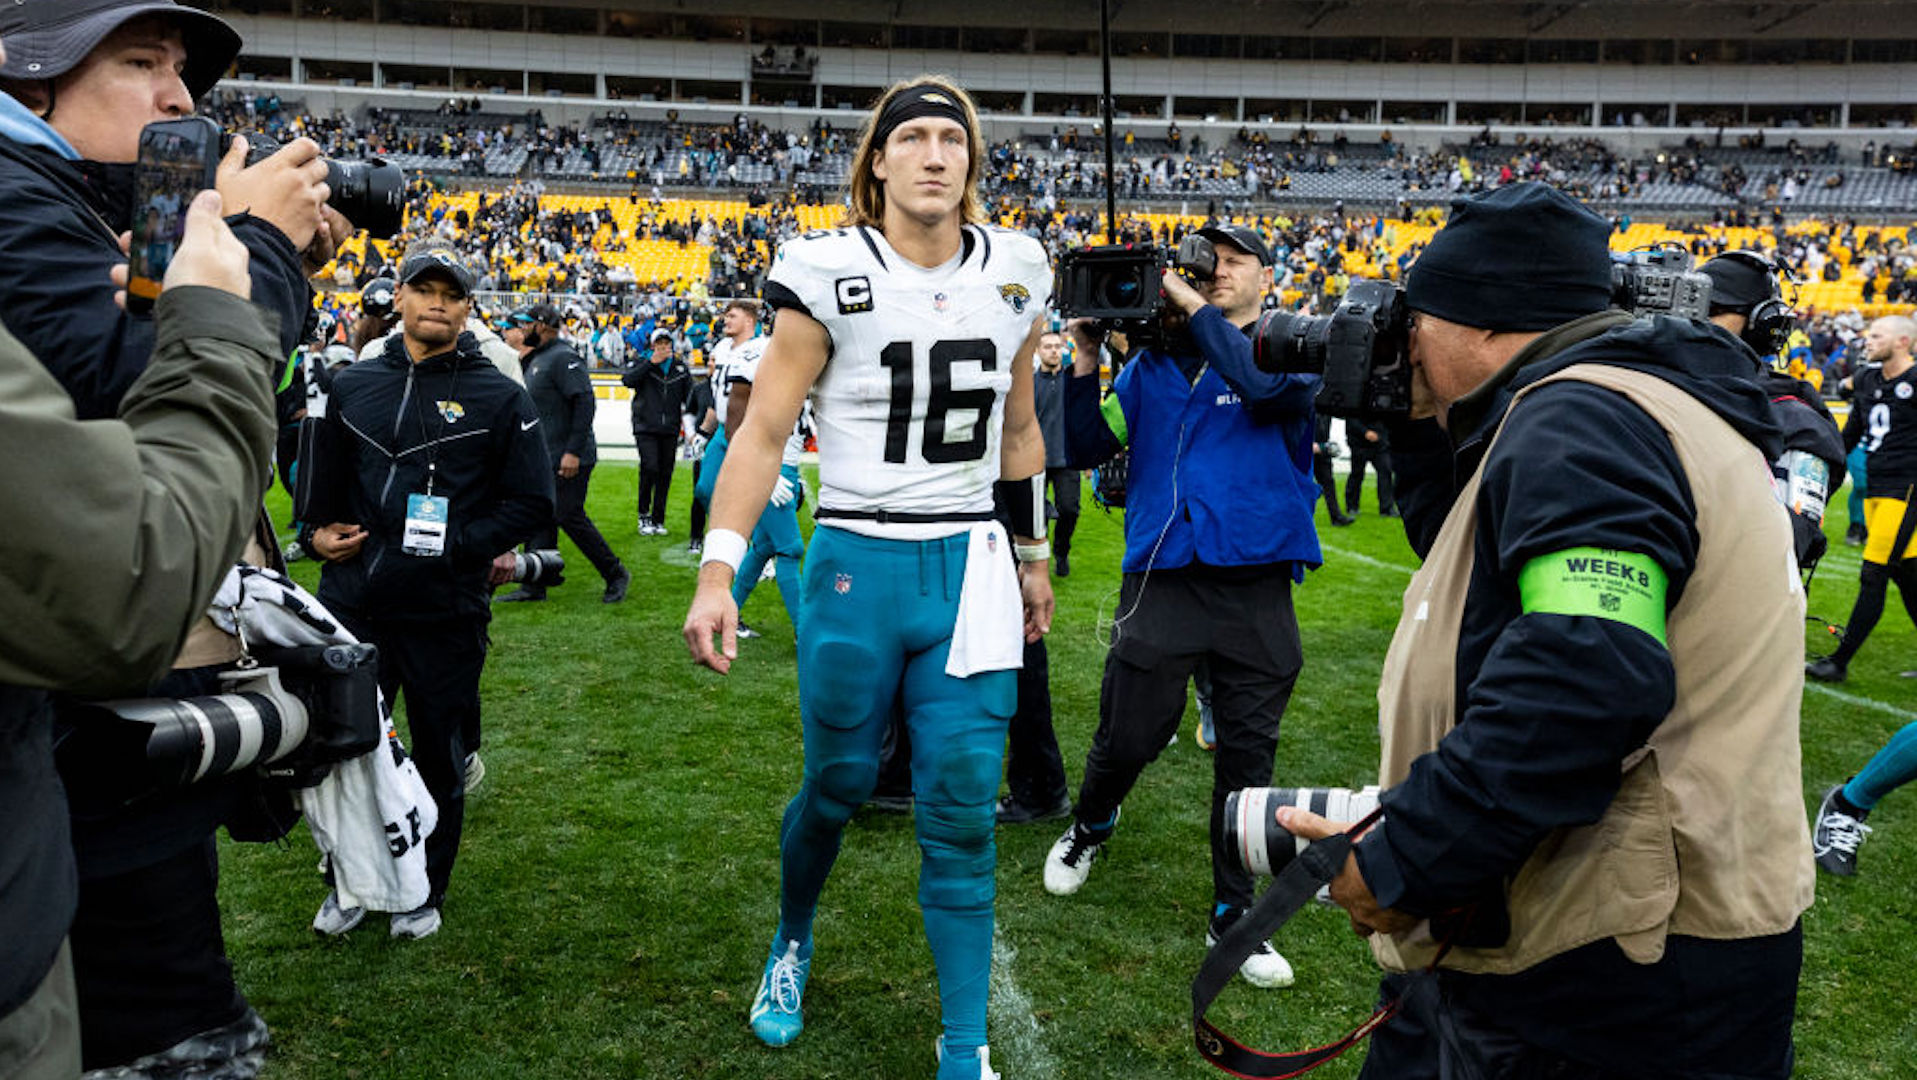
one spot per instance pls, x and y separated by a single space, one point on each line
911 404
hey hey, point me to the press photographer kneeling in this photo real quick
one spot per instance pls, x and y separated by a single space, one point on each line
1593 815
1217 530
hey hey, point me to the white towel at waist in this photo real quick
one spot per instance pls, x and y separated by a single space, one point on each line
989 634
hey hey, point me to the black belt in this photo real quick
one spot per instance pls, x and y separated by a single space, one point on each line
892 517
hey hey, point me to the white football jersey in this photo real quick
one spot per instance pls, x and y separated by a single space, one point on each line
911 405
747 371
721 359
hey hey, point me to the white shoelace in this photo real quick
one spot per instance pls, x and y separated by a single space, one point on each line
784 988
1845 832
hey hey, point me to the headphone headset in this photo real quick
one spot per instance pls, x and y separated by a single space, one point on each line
1768 325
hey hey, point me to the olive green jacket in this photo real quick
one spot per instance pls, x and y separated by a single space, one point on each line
114 534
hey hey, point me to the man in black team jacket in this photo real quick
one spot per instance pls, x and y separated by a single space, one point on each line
1594 793
562 392
662 389
429 469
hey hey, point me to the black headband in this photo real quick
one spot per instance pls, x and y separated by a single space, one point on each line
913 103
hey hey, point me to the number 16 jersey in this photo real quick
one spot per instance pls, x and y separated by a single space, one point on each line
911 404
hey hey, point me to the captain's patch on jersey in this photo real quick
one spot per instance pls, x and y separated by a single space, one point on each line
1015 296
1622 586
855 294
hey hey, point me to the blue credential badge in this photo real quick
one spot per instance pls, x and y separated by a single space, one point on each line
425 531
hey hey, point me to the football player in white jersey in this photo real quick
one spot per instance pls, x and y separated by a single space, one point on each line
913 328
740 347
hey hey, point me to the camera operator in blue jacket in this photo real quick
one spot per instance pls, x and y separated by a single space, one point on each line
1217 530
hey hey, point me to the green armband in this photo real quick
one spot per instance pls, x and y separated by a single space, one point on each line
1114 417
1622 586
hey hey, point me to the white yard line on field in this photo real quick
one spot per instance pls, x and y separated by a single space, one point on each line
1368 560
1860 701
1014 1023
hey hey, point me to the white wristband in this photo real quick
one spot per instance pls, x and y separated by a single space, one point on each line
1038 552
724 546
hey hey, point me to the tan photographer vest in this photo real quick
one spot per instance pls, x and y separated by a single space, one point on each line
1707 835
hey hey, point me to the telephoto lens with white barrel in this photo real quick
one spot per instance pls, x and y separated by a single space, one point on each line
543 568
1265 847
256 722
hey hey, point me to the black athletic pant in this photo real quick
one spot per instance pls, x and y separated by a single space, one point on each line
1355 482
1244 627
1066 487
569 513
655 472
1034 769
149 959
1327 484
436 665
1873 584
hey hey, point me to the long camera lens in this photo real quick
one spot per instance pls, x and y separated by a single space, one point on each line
541 569
1261 844
371 193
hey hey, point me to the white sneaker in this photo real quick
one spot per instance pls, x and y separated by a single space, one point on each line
415 924
1265 968
984 1059
334 920
1069 862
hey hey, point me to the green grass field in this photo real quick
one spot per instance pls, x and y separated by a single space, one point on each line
616 891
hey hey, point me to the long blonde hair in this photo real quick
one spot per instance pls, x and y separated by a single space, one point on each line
866 192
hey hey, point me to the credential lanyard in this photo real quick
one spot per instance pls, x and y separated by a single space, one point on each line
432 444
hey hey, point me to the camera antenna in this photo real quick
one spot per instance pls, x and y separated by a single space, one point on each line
1111 176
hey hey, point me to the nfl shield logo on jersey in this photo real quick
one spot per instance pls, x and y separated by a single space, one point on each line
1016 296
842 584
991 542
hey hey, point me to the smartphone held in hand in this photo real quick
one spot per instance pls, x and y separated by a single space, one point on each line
178 160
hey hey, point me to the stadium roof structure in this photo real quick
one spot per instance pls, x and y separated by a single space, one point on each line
1594 18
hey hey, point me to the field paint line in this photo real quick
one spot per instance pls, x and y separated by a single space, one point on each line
1367 560
1014 1021
1860 701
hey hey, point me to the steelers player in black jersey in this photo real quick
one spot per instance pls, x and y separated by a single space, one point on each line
1883 418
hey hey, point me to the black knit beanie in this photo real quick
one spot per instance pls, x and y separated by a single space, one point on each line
1523 257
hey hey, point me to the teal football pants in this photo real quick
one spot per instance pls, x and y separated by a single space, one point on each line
878 626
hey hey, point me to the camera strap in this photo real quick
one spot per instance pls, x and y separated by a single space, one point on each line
1289 892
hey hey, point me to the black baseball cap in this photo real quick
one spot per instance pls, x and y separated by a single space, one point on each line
437 263
544 313
45 39
1242 237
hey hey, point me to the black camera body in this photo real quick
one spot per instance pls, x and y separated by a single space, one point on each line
1360 351
1119 284
1660 281
371 193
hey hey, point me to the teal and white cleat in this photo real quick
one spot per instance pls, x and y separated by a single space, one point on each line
776 1017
